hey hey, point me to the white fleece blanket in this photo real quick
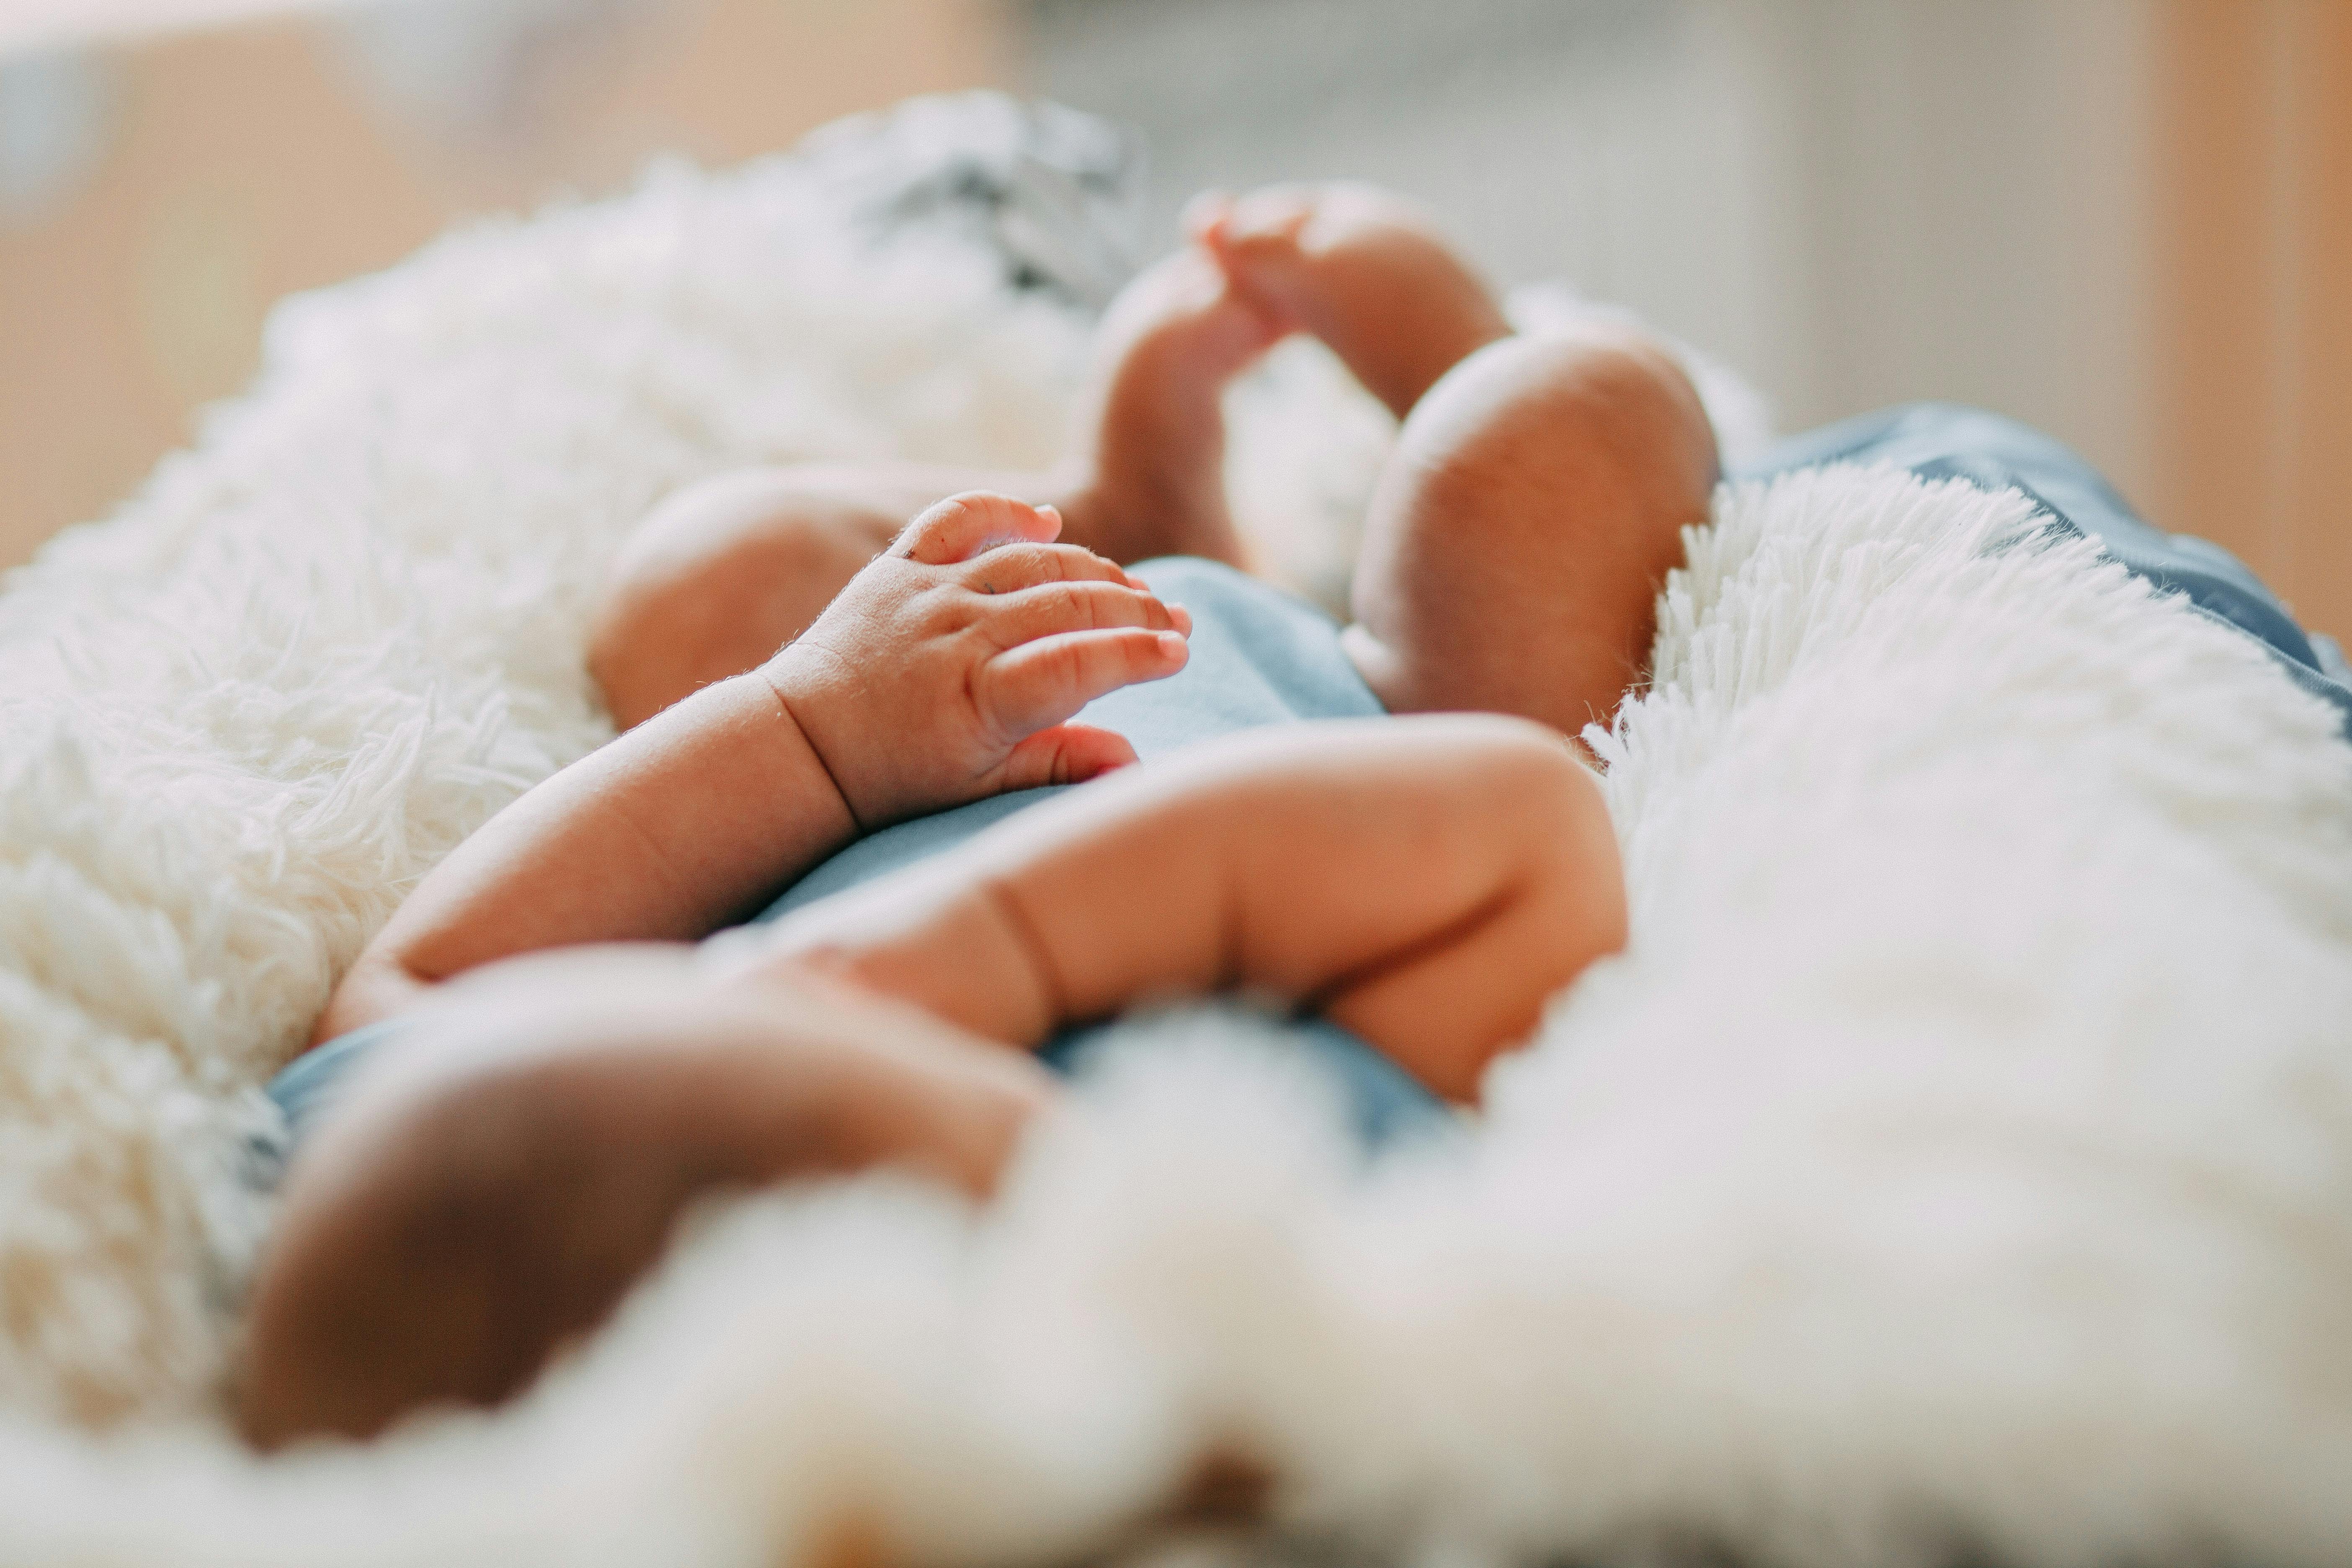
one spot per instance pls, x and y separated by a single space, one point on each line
1958 1162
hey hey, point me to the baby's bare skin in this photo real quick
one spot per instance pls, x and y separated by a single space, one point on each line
487 1197
942 675
730 571
479 1205
1480 876
1362 270
1425 882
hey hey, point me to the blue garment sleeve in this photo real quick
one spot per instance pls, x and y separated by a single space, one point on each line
1943 440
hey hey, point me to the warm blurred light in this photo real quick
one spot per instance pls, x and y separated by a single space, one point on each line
159 194
48 24
2128 221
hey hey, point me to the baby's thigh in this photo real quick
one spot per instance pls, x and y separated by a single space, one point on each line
725 572
1517 542
1426 881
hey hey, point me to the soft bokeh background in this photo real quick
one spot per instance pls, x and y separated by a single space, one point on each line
2129 221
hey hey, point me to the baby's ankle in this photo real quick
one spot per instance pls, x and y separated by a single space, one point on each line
1152 478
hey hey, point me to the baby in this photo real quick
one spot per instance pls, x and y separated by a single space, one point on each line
832 681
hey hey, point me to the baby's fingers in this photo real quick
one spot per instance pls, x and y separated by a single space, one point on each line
1079 606
1065 754
1003 569
1025 689
963 526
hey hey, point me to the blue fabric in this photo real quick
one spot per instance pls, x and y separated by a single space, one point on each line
1258 657
308 1085
1943 440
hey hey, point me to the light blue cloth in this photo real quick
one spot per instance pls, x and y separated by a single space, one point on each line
1945 440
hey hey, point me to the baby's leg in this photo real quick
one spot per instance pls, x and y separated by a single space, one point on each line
472 1210
1519 535
1428 883
719 578
1535 498
486 1199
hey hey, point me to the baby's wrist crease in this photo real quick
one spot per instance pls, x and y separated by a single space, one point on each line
808 745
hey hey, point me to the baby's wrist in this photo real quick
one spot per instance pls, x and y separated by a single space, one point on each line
797 697
884 764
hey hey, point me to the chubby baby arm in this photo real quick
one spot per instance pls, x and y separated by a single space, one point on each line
942 673
1426 882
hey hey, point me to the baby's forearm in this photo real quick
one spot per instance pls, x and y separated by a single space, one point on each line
945 671
665 833
1428 883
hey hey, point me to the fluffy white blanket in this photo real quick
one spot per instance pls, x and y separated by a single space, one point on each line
1959 1162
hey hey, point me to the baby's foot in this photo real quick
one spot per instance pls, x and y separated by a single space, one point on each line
1155 482
1360 268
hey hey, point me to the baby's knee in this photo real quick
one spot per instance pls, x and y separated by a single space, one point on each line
720 575
1528 772
780 508
1602 401
1545 806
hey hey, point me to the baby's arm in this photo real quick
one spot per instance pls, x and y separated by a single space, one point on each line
941 674
1425 882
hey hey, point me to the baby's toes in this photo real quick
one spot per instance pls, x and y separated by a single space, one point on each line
1273 215
1265 246
1185 323
1206 217
1303 227
1174 294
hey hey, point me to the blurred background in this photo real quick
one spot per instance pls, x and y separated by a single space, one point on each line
2128 221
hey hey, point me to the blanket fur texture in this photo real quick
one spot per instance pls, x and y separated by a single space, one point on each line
1958 1165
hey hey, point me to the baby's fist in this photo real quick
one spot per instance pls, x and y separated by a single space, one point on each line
945 670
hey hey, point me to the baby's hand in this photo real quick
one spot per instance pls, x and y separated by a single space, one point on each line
944 671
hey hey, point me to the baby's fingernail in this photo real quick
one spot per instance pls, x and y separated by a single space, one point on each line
1171 646
1182 616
